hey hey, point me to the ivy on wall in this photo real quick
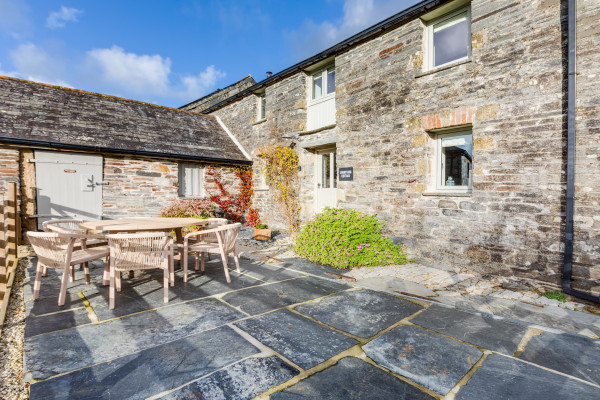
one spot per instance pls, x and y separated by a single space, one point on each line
236 208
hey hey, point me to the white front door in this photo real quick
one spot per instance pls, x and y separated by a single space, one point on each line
68 185
326 180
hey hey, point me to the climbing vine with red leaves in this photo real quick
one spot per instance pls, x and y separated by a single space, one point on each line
236 208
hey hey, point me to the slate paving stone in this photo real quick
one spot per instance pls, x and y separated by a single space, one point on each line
485 331
54 322
240 381
570 354
351 379
145 291
299 339
47 305
362 313
432 360
260 299
502 377
150 372
268 272
303 265
63 351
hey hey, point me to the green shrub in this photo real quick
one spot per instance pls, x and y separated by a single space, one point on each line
346 238
557 295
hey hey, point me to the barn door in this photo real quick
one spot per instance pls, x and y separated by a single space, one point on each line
68 185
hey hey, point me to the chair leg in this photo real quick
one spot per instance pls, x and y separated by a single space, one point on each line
184 262
38 280
172 270
111 290
208 256
197 267
106 274
45 271
166 284
86 269
63 286
72 277
237 262
202 261
118 277
224 257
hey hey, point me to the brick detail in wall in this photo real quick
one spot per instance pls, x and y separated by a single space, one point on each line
456 117
9 167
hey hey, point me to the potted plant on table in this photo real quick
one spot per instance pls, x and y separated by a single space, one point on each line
262 232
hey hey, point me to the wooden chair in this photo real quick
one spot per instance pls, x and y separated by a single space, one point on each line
226 236
55 250
140 251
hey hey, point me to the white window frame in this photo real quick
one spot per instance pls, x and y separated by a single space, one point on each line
429 35
260 109
183 190
439 163
323 73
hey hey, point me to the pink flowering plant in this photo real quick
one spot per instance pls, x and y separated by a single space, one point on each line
345 238
189 208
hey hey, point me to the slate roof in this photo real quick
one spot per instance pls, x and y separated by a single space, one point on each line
44 116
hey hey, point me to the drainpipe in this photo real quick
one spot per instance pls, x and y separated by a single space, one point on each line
570 200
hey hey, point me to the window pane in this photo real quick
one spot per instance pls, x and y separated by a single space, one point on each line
457 160
335 174
331 80
450 40
317 87
263 106
325 171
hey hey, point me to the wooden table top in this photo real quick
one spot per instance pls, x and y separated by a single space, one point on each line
141 224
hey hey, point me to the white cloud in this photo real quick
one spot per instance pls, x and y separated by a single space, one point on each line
314 37
35 64
147 75
58 19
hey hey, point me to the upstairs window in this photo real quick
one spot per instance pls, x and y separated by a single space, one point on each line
261 107
323 83
190 180
449 38
454 162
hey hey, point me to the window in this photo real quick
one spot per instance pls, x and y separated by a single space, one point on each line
190 180
261 107
454 162
449 38
323 83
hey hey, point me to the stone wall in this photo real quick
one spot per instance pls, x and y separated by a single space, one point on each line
511 93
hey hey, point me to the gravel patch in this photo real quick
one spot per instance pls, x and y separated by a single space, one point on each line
13 334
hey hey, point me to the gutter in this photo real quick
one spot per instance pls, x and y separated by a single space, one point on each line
567 274
389 23
96 149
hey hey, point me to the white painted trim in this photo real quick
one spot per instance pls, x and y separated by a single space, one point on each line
233 138
438 186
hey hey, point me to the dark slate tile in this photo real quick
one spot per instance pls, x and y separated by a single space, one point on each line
268 272
502 377
63 351
54 322
303 265
432 360
363 313
47 305
570 354
265 298
145 291
351 378
299 339
485 331
240 381
149 372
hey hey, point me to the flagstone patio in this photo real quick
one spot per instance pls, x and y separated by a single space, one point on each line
286 330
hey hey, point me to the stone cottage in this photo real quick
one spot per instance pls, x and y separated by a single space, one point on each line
448 120
87 155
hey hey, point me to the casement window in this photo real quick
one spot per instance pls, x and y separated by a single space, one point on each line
321 99
449 38
191 177
454 162
261 107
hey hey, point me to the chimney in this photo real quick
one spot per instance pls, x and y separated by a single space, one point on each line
269 73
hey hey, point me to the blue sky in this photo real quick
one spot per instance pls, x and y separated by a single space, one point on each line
171 52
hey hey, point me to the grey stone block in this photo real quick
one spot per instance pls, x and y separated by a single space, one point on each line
484 331
431 360
570 354
260 299
149 372
507 378
54 322
362 313
352 378
297 338
240 381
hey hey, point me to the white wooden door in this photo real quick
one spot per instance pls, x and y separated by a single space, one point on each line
326 180
68 185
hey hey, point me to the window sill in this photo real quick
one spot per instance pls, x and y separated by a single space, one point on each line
448 194
260 121
444 67
318 129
